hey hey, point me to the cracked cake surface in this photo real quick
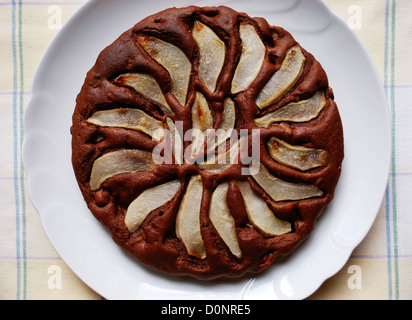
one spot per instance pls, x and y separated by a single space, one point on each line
207 142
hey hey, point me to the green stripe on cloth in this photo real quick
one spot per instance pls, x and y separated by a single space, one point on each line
22 188
391 207
394 199
18 106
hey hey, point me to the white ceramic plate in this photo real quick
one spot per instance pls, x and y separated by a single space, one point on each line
88 249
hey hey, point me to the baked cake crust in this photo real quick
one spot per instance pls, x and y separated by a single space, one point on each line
156 242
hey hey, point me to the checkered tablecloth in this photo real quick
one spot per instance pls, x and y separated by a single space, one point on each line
379 268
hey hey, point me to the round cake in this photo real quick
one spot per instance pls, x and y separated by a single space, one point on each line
207 142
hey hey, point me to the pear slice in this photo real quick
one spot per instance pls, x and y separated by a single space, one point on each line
148 201
147 86
297 157
223 160
202 120
228 120
222 220
119 162
226 125
177 141
261 216
280 190
188 219
283 79
174 60
251 59
302 111
134 119
212 52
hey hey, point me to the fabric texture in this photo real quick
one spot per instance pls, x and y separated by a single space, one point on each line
379 268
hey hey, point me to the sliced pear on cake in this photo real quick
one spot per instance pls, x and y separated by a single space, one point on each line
226 126
280 190
212 52
202 120
297 157
177 141
147 86
120 162
222 220
260 215
251 59
302 111
188 219
148 201
134 119
217 163
283 79
228 120
223 160
174 60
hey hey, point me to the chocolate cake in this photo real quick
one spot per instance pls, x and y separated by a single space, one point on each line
207 142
